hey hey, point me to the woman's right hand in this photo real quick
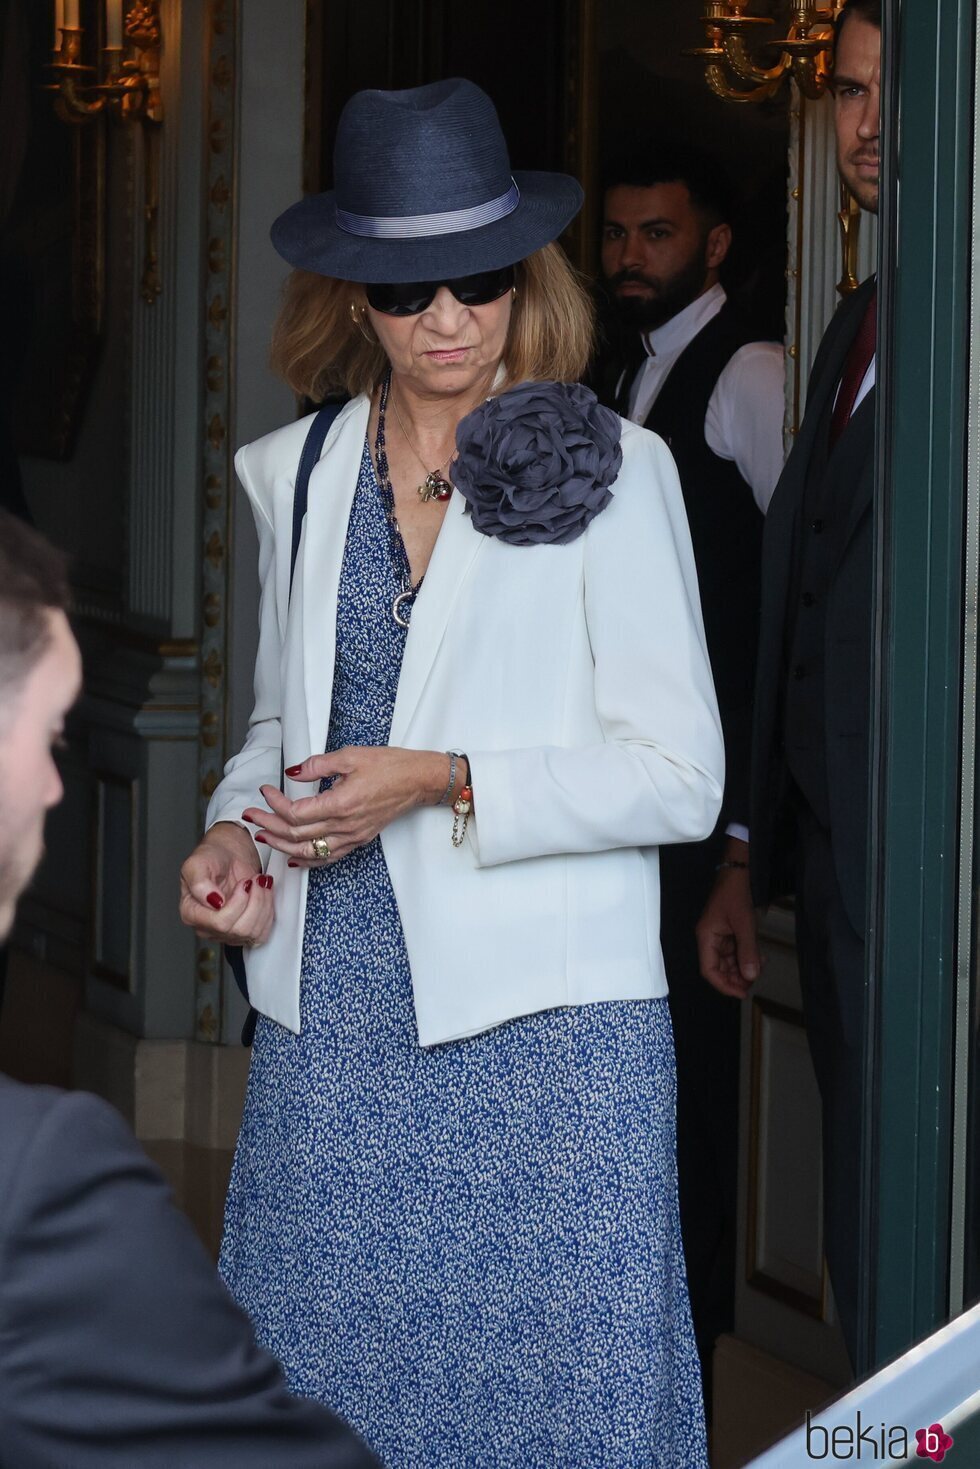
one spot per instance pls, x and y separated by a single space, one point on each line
224 895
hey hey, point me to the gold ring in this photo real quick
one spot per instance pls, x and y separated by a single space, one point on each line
321 848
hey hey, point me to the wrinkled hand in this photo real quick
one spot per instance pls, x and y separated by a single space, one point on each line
372 786
224 894
727 935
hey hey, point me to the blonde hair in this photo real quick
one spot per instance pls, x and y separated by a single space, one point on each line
322 342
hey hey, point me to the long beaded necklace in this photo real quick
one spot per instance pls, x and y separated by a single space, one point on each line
401 607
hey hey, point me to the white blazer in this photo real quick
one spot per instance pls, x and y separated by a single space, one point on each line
577 680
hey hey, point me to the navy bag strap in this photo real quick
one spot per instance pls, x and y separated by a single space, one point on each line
308 459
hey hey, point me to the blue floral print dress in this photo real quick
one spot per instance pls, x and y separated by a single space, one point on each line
472 1251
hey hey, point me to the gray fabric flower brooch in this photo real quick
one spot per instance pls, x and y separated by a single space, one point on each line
537 464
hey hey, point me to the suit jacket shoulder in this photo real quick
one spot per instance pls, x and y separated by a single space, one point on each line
118 1343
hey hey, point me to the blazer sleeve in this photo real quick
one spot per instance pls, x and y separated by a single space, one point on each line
658 774
118 1342
259 761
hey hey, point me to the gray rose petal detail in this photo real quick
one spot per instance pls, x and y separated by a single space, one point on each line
537 464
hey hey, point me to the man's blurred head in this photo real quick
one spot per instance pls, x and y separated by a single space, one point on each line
40 676
856 86
666 230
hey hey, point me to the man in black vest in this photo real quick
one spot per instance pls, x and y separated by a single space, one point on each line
808 803
689 367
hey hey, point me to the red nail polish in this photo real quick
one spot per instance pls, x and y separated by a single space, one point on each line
248 886
258 837
246 817
293 770
265 881
216 900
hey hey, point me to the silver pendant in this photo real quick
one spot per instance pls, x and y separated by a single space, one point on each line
396 607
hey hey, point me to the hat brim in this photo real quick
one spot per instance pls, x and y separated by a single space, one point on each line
307 236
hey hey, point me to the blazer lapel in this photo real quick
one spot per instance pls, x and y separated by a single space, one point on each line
859 438
787 502
455 551
829 363
321 552
786 506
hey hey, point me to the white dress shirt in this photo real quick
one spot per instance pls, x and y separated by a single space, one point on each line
867 383
744 421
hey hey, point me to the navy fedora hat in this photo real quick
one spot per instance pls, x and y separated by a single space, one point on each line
423 190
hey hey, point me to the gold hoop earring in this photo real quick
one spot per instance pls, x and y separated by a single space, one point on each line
357 317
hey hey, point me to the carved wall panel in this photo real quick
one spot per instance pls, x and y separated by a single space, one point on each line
784 1304
784 1233
218 474
115 864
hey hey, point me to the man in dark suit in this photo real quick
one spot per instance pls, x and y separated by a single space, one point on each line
684 362
118 1344
808 805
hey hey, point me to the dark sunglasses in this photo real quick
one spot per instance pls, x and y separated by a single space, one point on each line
414 296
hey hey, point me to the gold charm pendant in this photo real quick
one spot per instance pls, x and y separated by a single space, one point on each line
434 488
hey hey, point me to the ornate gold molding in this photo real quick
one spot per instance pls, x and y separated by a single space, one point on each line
795 254
216 525
581 116
849 219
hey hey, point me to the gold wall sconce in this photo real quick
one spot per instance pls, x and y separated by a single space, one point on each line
126 86
733 68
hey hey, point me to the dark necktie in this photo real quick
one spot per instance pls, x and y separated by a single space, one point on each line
632 363
858 361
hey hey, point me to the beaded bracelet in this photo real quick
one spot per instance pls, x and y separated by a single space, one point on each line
720 867
462 806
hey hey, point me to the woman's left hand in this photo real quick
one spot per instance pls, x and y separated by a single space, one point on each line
372 786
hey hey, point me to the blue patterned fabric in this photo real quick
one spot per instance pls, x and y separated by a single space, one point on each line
471 1252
